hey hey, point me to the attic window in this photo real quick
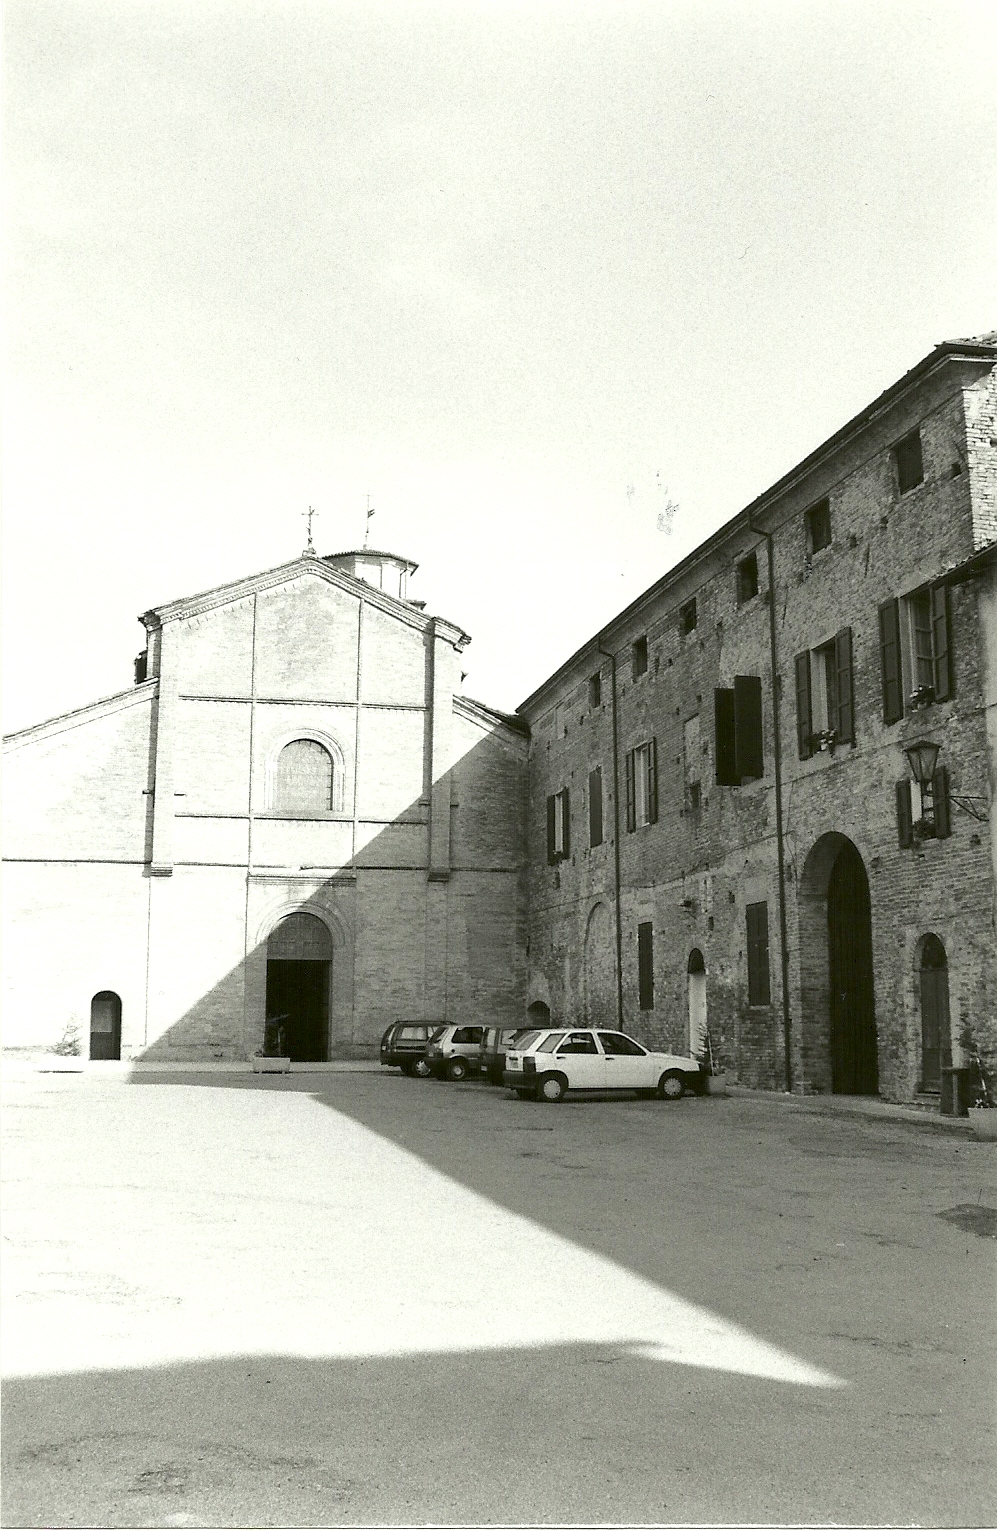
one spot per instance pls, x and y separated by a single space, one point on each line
818 527
639 656
910 467
595 689
747 579
687 617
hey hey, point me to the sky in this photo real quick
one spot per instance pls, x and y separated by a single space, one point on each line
560 286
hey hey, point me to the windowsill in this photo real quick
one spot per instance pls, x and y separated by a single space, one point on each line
335 814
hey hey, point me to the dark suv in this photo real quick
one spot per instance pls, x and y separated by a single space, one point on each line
494 1042
404 1045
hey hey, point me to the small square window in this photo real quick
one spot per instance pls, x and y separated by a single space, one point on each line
595 689
907 456
747 579
639 657
818 527
687 617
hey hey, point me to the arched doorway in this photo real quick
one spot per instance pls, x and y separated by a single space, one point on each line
936 1040
299 961
599 970
105 1026
697 1002
538 1014
837 995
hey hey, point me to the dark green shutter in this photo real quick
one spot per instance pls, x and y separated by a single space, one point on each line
905 818
804 719
551 836
889 659
940 803
652 782
595 806
645 965
757 922
724 754
631 794
748 755
941 645
844 723
566 810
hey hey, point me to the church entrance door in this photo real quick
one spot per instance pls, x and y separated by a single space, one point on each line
299 969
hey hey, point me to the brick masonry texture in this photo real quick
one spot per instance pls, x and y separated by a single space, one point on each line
693 872
185 765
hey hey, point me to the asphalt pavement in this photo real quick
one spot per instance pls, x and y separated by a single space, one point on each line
352 1298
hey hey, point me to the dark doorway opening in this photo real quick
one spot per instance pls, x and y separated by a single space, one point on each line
105 1026
299 960
936 1044
854 1063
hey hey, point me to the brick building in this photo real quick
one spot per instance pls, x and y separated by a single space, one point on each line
293 812
725 833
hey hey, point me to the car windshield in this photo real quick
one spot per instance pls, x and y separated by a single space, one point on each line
435 1032
549 1043
525 1039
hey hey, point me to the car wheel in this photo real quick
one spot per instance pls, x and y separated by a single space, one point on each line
420 1068
671 1085
457 1069
551 1087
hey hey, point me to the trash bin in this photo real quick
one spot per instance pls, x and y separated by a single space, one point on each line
955 1092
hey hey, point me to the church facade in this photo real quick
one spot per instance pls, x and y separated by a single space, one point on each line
293 816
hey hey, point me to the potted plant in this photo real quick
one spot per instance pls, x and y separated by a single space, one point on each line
712 1065
982 1097
272 1057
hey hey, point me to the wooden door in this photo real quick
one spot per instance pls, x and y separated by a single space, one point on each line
854 1063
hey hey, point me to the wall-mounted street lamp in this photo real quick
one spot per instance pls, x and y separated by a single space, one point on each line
922 757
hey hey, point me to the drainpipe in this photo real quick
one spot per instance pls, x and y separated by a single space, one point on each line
616 843
780 844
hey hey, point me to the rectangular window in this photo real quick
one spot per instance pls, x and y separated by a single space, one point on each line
915 648
645 965
595 689
642 785
907 456
825 707
639 655
738 722
747 579
757 922
595 806
558 826
817 526
687 617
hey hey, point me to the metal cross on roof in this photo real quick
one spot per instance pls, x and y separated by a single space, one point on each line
308 514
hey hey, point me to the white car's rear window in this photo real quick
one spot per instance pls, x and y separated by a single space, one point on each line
549 1043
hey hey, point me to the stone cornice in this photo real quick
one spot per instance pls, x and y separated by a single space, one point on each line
286 574
102 708
478 712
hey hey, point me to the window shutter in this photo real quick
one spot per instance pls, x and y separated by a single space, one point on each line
595 806
941 647
804 717
631 794
940 803
566 810
723 704
748 758
845 722
652 782
889 659
757 922
551 834
905 818
645 965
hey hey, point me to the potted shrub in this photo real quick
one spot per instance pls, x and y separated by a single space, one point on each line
982 1096
712 1064
272 1057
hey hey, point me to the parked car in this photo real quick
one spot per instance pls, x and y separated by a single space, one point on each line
404 1046
455 1052
555 1061
494 1043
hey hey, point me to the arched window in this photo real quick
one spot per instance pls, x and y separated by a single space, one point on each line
303 778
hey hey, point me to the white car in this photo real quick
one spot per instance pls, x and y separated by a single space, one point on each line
546 1064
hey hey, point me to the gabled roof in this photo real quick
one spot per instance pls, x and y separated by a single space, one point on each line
307 565
101 708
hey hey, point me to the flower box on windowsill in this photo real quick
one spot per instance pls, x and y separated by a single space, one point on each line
922 697
275 1065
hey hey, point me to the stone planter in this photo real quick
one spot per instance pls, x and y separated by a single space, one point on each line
263 1065
983 1121
716 1084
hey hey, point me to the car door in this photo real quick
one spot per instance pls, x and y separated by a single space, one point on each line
581 1059
628 1065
